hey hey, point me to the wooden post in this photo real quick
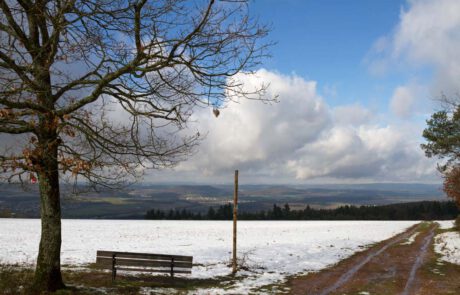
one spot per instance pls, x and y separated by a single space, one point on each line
235 217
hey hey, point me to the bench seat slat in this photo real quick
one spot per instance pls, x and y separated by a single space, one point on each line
147 263
145 256
152 270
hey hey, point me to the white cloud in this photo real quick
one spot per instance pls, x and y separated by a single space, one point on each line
301 139
429 34
354 114
425 46
402 101
252 133
409 99
369 152
426 37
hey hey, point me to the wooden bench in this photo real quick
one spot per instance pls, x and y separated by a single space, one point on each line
144 262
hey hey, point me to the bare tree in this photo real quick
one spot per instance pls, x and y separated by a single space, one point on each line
101 89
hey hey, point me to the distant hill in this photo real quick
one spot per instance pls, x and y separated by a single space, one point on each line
133 201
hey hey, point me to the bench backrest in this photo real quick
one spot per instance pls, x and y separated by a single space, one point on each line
144 262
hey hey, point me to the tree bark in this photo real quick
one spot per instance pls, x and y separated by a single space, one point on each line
48 270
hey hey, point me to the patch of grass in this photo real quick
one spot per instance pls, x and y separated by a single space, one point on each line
438 277
425 225
15 279
275 288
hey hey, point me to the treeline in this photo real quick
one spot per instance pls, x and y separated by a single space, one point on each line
426 210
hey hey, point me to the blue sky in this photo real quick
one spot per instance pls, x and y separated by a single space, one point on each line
328 41
356 81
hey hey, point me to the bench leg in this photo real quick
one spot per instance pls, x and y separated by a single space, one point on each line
114 274
114 270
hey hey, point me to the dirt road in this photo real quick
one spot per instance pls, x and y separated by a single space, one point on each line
403 265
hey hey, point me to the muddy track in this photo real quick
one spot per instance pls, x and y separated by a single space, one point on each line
388 266
418 262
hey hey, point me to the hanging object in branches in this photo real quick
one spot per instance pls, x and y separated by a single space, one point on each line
33 179
216 112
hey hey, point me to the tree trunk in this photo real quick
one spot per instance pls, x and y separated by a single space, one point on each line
48 271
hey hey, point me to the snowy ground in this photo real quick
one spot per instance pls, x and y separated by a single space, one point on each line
448 244
446 224
271 249
410 240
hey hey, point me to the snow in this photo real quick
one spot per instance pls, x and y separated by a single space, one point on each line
446 224
271 249
411 239
448 245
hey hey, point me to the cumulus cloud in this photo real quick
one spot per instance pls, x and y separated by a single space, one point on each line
428 35
301 139
368 152
408 100
402 101
354 114
250 133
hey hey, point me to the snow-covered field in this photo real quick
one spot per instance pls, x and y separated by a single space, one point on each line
271 249
446 224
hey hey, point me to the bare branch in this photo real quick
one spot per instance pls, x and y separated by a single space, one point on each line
67 67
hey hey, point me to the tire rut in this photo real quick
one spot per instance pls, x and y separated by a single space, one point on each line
418 262
353 270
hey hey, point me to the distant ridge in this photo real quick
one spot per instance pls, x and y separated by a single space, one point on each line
132 201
